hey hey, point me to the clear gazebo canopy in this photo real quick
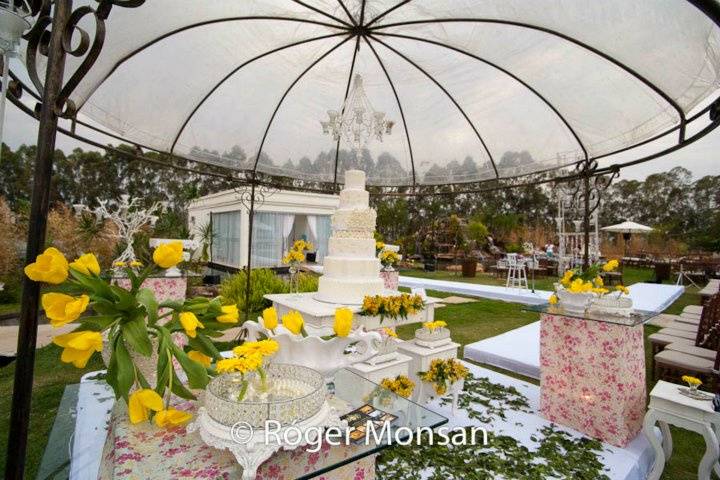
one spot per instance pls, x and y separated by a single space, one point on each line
477 90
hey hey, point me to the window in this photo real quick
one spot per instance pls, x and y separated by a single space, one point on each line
226 238
267 239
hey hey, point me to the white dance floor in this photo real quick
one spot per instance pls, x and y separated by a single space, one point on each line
519 350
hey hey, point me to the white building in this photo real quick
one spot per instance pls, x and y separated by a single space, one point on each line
280 218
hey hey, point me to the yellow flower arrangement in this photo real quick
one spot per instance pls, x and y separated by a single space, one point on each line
432 326
168 255
389 332
622 289
293 257
119 264
443 373
51 266
389 258
136 264
691 381
611 265
400 385
553 300
302 245
343 322
265 348
392 307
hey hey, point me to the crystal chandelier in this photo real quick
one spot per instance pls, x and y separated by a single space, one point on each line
357 122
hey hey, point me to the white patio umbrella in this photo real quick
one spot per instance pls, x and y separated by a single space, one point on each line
627 228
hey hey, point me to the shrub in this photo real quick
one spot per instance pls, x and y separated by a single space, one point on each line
263 281
307 282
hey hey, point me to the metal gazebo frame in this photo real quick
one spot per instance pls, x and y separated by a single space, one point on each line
57 24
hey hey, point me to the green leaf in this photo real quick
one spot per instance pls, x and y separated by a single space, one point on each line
203 344
196 373
179 389
124 369
146 298
124 300
94 284
172 304
97 323
105 307
136 334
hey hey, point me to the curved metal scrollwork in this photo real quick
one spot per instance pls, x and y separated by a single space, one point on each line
76 41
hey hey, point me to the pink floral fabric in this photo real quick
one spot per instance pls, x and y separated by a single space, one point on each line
147 452
592 377
391 279
165 288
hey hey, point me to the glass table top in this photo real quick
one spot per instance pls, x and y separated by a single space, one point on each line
351 392
638 317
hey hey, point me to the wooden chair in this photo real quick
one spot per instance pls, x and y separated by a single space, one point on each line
682 335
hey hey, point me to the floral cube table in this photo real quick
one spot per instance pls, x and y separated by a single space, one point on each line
592 376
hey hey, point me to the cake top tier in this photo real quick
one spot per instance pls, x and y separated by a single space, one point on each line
355 179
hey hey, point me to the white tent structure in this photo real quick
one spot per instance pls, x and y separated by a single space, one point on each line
627 227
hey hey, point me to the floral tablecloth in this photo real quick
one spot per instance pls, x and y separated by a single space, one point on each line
164 288
592 377
391 279
145 452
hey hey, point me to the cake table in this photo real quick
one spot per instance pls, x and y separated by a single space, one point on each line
592 372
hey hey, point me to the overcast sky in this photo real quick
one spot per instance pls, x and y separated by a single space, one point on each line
701 158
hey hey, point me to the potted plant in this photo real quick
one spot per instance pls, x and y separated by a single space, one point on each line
579 287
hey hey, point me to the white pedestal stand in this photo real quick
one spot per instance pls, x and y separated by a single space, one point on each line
252 447
668 406
422 356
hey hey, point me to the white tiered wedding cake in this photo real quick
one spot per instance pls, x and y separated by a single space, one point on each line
351 269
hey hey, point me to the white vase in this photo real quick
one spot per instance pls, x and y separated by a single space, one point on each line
575 303
324 356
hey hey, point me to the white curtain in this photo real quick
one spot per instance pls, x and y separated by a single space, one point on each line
287 224
312 227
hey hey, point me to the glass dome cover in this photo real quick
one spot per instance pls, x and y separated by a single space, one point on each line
452 91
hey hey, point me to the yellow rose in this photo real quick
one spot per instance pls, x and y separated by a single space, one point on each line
190 323
611 265
230 314
293 321
343 322
78 347
171 418
168 255
62 309
141 402
200 358
86 264
270 318
553 300
49 267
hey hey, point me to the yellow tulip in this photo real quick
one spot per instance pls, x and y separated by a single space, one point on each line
49 267
190 323
230 314
293 321
553 299
62 309
343 322
200 358
86 264
171 418
270 318
140 404
79 347
168 255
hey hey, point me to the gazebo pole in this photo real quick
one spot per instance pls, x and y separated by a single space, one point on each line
27 334
586 214
251 219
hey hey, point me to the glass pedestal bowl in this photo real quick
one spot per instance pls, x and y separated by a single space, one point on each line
293 394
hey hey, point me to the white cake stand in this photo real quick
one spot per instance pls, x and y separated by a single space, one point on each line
250 448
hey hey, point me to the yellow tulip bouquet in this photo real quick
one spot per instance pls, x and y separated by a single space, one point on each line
392 307
443 373
135 324
588 280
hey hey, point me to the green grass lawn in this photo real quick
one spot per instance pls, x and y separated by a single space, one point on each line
9 308
469 322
